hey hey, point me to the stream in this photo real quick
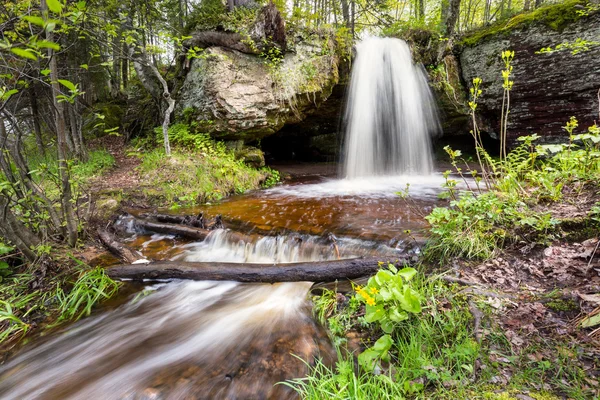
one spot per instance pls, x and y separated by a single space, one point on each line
227 340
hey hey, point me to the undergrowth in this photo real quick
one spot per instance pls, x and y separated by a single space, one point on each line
434 353
199 170
25 304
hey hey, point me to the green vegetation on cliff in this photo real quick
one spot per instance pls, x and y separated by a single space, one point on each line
554 16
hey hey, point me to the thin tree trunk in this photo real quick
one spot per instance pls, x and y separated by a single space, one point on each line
66 195
35 113
346 12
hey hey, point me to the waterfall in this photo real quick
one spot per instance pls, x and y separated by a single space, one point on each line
390 113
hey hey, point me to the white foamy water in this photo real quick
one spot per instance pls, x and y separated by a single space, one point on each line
420 186
390 114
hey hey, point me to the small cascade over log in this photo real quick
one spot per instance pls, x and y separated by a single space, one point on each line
390 114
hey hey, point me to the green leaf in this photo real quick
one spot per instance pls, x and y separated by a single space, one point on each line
47 44
5 96
410 301
374 313
407 273
24 53
387 326
68 84
5 249
55 6
34 20
84 66
398 316
588 322
45 72
368 359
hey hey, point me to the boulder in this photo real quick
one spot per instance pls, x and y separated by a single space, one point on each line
234 95
549 87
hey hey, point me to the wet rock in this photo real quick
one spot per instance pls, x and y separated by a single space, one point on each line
548 88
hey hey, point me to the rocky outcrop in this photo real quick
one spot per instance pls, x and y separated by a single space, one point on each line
549 87
235 93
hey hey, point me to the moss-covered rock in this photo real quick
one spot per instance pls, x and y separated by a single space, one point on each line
555 17
233 95
251 156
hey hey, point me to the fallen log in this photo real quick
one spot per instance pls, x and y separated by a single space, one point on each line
317 271
195 221
172 229
119 249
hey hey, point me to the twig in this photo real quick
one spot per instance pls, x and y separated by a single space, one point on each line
593 253
477 315
460 281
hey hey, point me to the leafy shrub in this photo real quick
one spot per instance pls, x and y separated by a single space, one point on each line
389 299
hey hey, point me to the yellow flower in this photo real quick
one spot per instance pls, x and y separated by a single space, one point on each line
370 301
374 290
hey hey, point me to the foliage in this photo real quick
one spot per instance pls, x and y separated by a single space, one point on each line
555 16
91 287
436 347
389 299
21 307
5 251
199 170
577 46
477 223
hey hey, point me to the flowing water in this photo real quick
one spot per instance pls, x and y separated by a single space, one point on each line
225 340
390 113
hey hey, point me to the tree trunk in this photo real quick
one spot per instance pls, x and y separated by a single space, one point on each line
346 13
318 271
35 113
66 195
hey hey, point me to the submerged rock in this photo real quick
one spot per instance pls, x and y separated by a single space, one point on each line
549 87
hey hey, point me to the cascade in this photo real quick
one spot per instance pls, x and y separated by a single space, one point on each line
390 113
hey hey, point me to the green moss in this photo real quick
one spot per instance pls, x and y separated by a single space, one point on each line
562 305
555 17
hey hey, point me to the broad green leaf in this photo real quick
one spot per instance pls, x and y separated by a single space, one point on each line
55 6
68 84
45 72
384 343
383 276
385 294
374 313
387 325
24 53
368 359
84 66
407 273
47 44
3 265
5 249
34 20
398 316
410 301
588 322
